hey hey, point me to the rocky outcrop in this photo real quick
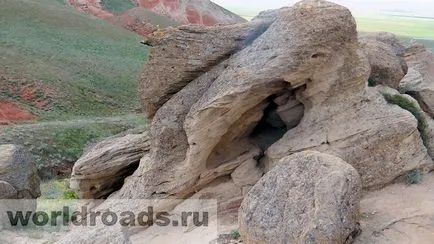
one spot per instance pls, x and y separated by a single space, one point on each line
419 82
230 102
103 167
17 170
309 197
181 55
386 57
379 139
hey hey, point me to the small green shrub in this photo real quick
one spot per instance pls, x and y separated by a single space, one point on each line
371 82
408 105
235 234
70 195
414 177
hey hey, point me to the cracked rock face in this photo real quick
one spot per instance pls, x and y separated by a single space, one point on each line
309 197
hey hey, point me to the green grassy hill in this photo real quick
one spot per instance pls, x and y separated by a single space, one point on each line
78 73
81 65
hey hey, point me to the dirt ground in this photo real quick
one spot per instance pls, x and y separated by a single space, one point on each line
399 214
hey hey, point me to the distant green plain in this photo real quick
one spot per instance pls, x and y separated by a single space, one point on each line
402 26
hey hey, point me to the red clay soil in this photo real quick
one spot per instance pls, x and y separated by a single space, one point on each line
11 113
92 7
134 21
202 12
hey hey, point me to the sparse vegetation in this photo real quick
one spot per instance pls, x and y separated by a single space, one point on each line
414 177
70 195
57 189
408 105
91 66
117 6
55 145
235 234
371 82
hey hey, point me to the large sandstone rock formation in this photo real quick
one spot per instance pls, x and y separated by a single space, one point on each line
309 197
17 170
103 167
228 103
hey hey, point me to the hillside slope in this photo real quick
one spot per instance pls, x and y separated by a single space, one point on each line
181 11
58 63
192 11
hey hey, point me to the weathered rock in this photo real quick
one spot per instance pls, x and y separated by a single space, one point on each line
419 82
291 113
181 55
386 67
390 39
18 169
380 140
206 114
104 166
247 174
309 198
223 105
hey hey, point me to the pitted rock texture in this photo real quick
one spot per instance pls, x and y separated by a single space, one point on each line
309 197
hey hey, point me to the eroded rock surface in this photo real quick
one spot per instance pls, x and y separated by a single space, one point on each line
230 102
104 166
309 197
181 55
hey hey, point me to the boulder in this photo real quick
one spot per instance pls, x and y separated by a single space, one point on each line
104 166
7 191
419 82
309 198
386 67
390 39
17 168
